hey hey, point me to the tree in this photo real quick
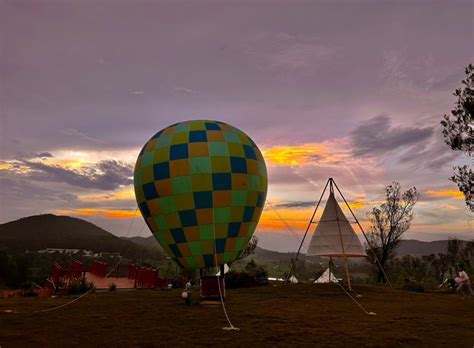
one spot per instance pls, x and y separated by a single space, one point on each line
249 249
458 132
389 222
453 253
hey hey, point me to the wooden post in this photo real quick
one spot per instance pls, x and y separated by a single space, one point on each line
347 274
330 268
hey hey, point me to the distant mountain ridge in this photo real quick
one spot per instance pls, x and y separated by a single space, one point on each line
64 232
407 247
52 231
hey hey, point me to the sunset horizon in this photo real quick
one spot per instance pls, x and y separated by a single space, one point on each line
362 106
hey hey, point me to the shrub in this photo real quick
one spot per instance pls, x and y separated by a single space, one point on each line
235 280
239 280
79 286
28 289
411 285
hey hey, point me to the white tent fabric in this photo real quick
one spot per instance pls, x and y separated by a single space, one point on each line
326 277
226 269
334 235
293 280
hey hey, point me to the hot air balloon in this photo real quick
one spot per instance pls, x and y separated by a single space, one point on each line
201 186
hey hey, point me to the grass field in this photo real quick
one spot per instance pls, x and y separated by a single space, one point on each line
295 315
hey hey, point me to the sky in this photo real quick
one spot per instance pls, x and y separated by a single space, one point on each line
353 90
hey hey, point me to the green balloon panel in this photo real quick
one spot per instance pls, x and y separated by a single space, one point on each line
201 187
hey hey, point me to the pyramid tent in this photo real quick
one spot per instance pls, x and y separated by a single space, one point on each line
334 235
326 277
293 280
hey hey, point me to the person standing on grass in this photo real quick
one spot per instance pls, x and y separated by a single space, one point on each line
465 283
187 290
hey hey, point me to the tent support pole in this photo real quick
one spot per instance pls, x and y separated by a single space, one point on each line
348 277
330 268
347 273
365 236
305 233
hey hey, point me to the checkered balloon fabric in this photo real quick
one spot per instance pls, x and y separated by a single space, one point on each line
197 179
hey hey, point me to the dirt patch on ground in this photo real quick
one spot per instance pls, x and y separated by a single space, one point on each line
295 315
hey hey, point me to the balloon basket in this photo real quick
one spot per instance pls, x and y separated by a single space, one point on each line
210 288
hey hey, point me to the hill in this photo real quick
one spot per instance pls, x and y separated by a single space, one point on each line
419 248
265 256
407 247
51 231
149 242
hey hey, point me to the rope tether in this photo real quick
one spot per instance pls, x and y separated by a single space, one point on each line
353 299
231 326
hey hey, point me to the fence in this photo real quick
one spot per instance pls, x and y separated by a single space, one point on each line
146 278
98 269
61 276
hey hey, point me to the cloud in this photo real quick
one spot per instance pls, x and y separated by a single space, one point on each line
304 57
74 133
32 155
295 155
68 197
23 190
359 203
125 194
300 204
433 154
316 153
21 197
441 194
183 89
104 175
293 54
376 136
100 213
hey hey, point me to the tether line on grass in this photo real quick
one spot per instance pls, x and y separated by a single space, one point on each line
355 301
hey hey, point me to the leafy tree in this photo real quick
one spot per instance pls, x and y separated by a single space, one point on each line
440 266
249 249
251 266
467 255
255 270
453 253
300 269
389 222
458 132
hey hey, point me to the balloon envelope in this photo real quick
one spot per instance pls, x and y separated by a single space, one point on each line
201 187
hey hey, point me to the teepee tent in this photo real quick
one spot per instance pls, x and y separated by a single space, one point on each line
334 235
293 280
326 277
